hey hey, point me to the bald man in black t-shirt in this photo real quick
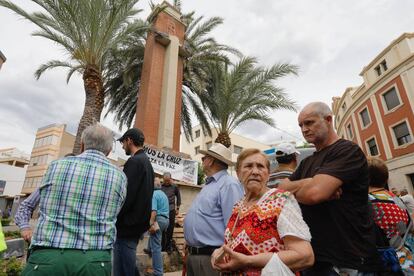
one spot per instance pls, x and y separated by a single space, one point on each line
332 188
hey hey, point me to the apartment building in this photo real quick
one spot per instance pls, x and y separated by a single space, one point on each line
204 142
378 114
51 142
13 165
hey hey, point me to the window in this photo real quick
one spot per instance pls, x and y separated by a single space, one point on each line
41 160
208 145
37 181
372 146
237 149
378 70
391 98
349 130
402 134
411 176
28 183
344 106
47 140
365 117
197 133
197 149
384 65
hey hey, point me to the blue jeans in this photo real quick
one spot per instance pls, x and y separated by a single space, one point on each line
125 260
155 245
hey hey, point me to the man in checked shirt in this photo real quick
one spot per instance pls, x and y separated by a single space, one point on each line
79 200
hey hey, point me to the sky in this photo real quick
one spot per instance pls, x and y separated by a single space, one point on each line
330 41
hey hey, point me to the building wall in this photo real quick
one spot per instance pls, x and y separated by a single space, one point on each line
14 177
398 73
46 148
54 148
203 141
188 194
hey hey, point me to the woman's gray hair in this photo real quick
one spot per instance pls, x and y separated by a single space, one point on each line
97 137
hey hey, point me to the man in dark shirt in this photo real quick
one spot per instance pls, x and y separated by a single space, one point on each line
172 192
332 186
134 217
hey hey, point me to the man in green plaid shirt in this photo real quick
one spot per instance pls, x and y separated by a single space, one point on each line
80 198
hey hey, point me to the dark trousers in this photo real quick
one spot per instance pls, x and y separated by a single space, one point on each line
125 257
167 235
200 265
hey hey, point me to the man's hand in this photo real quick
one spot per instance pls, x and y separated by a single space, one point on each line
292 186
152 230
285 184
336 195
26 234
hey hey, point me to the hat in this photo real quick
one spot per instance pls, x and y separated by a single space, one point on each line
220 152
286 149
135 134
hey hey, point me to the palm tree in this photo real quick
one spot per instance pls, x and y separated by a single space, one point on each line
87 31
243 92
202 48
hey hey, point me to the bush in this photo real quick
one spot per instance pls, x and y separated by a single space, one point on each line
5 221
12 235
11 267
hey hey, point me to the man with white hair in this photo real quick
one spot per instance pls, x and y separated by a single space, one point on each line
80 198
332 187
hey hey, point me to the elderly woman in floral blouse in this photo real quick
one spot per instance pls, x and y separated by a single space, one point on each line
266 225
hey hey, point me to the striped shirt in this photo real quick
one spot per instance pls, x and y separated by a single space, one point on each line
80 198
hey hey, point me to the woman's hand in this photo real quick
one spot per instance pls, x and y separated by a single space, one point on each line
231 261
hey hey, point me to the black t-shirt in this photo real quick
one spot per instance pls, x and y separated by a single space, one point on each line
342 231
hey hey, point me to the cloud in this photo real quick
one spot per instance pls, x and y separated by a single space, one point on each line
331 41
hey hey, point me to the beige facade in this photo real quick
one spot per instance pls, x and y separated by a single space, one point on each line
378 114
204 142
51 143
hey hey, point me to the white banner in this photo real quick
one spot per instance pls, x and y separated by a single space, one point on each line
180 168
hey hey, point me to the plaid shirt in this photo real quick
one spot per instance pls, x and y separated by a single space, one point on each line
80 198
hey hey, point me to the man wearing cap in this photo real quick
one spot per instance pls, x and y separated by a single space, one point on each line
207 217
134 217
286 157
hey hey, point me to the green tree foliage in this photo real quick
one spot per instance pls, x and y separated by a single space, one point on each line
87 31
242 92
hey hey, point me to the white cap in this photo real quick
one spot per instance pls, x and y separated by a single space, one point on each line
286 149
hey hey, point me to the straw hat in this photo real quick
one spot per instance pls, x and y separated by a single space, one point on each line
219 152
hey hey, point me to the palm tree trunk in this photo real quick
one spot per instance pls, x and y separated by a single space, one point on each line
94 102
223 138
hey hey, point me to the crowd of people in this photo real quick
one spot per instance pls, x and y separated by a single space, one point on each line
332 214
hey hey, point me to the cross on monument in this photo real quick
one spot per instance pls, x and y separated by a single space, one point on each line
159 102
